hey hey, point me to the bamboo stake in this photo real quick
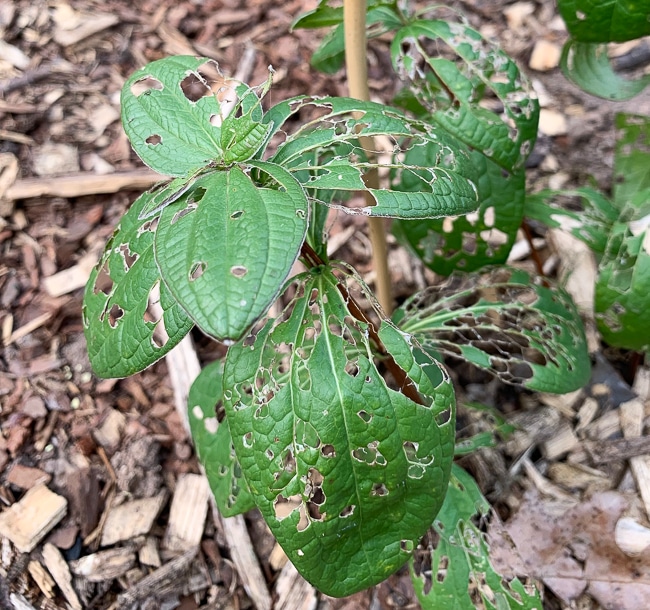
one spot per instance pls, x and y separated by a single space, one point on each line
354 20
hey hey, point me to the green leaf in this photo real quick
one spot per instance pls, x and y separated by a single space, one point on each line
225 248
324 154
631 180
505 323
588 66
347 472
460 563
453 92
130 319
606 21
467 242
323 16
170 132
329 57
213 442
592 224
622 298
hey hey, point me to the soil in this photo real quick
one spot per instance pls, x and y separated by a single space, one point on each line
99 443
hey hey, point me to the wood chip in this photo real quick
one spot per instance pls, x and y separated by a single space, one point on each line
28 328
187 514
72 278
148 553
26 522
545 56
109 434
132 519
159 580
605 452
573 476
278 558
631 537
563 441
104 565
632 414
552 123
293 591
78 185
516 14
42 578
58 568
26 477
84 27
19 602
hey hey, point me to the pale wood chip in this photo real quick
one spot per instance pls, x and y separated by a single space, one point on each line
278 558
187 514
293 591
86 26
563 441
109 433
26 522
631 537
132 519
632 414
104 565
148 553
42 578
545 486
71 279
60 572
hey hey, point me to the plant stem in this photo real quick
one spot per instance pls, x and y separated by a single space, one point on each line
354 23
405 383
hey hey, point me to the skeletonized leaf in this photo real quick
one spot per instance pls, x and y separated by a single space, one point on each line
325 155
225 248
452 91
460 563
168 111
347 472
214 444
468 242
130 318
611 21
592 224
622 297
505 323
589 67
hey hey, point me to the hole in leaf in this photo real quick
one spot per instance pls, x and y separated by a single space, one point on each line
328 451
443 417
223 470
269 454
248 440
196 271
283 507
194 87
351 368
237 214
407 546
149 226
238 270
347 511
128 256
160 337
314 512
103 281
190 207
154 140
288 461
365 416
114 315
146 85
379 489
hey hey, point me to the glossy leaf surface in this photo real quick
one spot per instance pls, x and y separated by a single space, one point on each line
505 323
589 67
606 20
130 318
213 442
347 471
460 563
226 247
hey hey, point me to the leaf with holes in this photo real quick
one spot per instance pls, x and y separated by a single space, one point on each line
453 92
467 242
325 155
505 323
622 296
460 563
589 67
169 113
225 248
592 223
130 319
347 471
610 21
211 437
